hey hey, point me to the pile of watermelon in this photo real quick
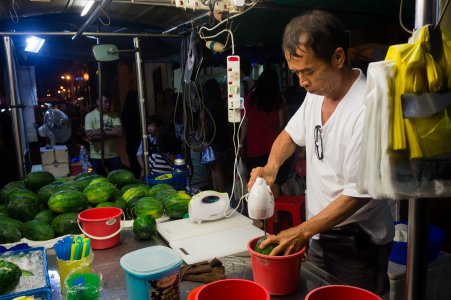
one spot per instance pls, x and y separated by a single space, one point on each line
41 207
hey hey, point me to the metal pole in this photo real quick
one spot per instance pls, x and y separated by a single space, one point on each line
14 105
416 268
94 34
142 108
100 101
418 226
94 15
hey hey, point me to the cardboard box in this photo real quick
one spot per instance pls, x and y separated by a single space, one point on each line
55 160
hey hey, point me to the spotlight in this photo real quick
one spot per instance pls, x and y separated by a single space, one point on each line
34 44
88 6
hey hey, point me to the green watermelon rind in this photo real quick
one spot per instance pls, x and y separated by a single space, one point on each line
36 180
144 227
36 230
149 206
100 192
67 201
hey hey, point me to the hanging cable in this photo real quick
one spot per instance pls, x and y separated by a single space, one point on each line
14 17
107 16
400 19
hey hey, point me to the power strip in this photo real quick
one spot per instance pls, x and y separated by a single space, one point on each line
233 88
221 5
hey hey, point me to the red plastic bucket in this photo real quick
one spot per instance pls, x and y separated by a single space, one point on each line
236 289
102 225
341 292
278 274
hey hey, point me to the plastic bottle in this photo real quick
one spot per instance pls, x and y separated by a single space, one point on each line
180 174
84 159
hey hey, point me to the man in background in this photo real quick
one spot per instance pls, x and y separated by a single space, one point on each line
112 129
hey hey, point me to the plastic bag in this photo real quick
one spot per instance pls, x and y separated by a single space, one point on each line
383 172
417 71
208 155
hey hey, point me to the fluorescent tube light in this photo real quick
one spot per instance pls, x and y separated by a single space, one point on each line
88 6
34 44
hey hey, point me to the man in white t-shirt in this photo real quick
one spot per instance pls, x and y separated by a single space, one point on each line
348 233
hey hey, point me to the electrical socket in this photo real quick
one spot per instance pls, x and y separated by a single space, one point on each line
234 115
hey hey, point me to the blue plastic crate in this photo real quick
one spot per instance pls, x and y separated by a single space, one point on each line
43 292
436 236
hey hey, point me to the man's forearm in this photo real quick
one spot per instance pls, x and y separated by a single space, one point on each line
96 135
336 212
281 150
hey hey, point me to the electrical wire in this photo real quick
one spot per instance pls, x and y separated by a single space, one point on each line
107 16
229 212
226 20
400 19
15 17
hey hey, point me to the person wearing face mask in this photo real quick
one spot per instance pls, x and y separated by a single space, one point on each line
112 129
348 234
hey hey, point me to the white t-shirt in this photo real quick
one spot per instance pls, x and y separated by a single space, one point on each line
336 173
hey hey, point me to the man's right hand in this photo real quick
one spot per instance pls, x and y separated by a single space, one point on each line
268 173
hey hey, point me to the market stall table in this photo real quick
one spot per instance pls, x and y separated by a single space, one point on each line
106 262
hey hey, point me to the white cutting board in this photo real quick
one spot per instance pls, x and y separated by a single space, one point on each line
202 242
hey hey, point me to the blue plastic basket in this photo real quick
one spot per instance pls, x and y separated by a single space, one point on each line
38 293
398 252
151 181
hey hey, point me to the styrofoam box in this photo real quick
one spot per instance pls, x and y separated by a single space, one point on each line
55 160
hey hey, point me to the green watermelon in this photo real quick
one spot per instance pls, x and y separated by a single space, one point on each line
100 192
8 188
109 204
36 180
10 275
3 210
66 223
135 192
97 180
45 216
149 206
164 194
144 227
159 187
131 185
10 230
36 230
61 180
67 201
82 175
120 202
9 235
45 192
10 222
268 249
82 183
121 177
176 205
23 205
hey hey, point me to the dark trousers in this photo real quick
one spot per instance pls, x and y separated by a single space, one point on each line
111 164
365 269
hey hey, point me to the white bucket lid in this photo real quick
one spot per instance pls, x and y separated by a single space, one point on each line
150 260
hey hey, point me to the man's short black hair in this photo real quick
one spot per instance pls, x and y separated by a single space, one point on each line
155 120
318 30
106 94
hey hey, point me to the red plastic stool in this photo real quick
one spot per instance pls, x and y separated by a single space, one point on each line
290 204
